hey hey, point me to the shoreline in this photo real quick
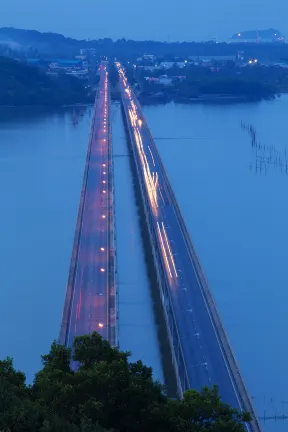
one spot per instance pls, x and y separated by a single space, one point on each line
226 99
77 105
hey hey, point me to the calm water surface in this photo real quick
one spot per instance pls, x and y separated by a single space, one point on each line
42 159
236 213
237 217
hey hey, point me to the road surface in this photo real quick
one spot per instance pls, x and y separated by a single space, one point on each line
205 361
87 297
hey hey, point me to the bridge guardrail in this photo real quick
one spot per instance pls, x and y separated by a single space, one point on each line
113 295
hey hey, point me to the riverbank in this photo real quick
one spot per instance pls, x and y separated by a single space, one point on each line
215 98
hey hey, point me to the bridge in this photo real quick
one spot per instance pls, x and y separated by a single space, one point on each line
200 350
201 353
90 303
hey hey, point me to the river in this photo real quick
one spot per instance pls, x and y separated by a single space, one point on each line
234 204
42 156
233 199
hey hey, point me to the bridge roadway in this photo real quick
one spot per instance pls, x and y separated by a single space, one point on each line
202 351
88 296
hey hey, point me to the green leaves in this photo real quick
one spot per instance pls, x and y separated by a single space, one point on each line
106 394
91 349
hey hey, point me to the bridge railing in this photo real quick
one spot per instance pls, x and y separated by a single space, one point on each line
112 280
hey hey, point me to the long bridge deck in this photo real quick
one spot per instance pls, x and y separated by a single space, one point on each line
90 294
201 352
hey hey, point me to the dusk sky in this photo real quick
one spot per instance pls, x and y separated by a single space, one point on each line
148 19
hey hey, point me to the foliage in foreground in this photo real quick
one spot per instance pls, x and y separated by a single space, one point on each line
107 393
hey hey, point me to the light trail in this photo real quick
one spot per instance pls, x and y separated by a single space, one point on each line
169 249
164 254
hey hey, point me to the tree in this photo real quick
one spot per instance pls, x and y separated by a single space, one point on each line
97 389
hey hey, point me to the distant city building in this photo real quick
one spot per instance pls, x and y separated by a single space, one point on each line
165 80
146 60
65 64
209 59
150 57
168 65
83 74
270 35
150 68
88 51
77 68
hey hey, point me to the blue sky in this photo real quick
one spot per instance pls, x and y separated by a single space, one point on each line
145 19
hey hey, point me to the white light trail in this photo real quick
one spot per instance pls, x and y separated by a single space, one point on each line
169 249
163 250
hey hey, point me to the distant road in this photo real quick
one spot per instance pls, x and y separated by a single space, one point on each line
202 351
87 298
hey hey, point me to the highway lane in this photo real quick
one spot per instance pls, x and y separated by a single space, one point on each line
205 360
90 291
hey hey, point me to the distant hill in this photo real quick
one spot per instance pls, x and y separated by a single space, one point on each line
271 34
55 45
45 43
26 85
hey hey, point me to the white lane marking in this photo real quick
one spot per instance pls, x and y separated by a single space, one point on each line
204 299
209 314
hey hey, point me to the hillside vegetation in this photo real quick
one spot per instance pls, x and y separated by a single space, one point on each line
25 85
53 44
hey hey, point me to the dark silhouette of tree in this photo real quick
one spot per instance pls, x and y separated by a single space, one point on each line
106 393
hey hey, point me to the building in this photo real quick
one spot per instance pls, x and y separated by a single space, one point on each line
211 58
83 74
88 51
65 64
165 80
269 35
169 64
147 58
76 67
150 68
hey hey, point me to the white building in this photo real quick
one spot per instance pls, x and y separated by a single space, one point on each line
169 65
